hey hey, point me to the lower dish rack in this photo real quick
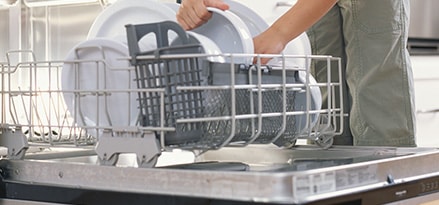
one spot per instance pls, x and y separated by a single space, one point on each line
182 100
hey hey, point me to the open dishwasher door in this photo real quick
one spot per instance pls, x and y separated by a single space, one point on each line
304 175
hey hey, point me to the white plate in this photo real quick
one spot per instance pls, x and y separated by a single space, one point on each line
229 32
112 20
316 99
121 106
255 23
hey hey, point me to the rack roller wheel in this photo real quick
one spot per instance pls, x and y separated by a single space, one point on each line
110 161
143 162
325 141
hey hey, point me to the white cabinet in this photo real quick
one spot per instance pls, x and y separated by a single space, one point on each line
426 77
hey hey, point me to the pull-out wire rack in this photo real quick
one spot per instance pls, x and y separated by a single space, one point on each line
183 100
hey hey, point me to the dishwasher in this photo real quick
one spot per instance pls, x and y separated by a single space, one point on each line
242 123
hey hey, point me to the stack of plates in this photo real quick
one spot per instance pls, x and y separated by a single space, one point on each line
81 77
226 32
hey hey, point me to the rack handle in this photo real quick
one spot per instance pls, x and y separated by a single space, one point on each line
161 31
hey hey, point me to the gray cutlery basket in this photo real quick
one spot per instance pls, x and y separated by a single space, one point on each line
221 120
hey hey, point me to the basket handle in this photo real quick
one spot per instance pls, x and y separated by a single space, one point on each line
161 31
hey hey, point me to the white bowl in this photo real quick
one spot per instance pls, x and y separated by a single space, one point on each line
230 33
255 23
209 47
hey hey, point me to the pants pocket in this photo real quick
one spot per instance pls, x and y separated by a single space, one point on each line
378 16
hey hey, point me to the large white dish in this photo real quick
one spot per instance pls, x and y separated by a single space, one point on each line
255 23
87 76
229 32
298 46
112 20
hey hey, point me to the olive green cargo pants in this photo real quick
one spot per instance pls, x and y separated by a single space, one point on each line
370 36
